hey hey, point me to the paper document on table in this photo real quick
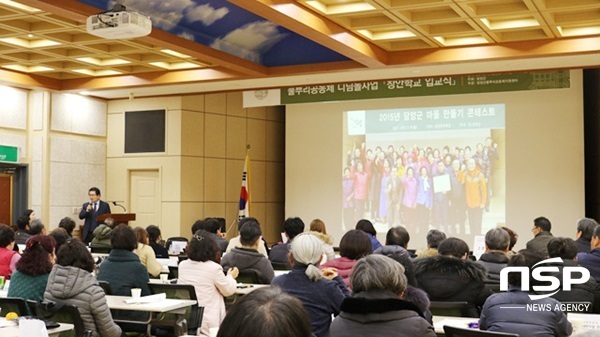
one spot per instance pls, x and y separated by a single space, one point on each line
147 299
456 323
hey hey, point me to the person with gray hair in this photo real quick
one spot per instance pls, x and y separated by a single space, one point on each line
36 227
320 291
495 259
585 230
434 237
377 307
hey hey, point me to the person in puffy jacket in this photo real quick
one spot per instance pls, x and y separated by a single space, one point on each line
71 282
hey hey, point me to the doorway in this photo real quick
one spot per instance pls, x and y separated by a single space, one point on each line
6 191
145 197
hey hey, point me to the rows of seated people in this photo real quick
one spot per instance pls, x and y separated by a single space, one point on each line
370 288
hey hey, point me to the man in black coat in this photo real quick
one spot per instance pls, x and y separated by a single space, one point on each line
585 230
90 211
451 277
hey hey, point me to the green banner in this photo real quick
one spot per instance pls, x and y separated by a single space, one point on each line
9 154
428 86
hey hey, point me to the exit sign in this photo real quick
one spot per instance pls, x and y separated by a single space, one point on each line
9 154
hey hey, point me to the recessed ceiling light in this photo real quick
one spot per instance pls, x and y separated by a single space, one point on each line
19 6
102 62
577 31
343 8
29 43
91 72
510 24
27 69
176 65
460 41
175 53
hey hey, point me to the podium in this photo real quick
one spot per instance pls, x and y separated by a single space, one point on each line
119 217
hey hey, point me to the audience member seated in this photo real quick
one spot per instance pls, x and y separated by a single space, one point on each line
68 224
355 244
22 233
495 259
122 268
541 236
36 227
451 277
235 242
585 230
103 233
30 279
321 292
146 253
412 293
213 226
591 260
155 237
71 282
203 270
396 239
434 237
8 257
60 236
367 227
518 320
266 312
247 256
280 252
318 229
513 241
566 249
377 307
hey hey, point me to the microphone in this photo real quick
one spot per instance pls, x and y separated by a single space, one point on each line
123 207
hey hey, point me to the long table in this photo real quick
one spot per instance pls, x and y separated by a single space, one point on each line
13 331
171 306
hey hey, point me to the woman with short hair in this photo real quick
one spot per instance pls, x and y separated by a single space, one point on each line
8 257
203 270
377 307
355 244
30 279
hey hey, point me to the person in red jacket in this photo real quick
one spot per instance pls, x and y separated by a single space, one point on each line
8 257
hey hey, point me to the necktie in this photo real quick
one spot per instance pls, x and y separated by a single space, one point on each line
95 207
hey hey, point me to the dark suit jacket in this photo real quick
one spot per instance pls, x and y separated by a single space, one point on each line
91 217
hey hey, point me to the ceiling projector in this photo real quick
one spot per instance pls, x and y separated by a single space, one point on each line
119 23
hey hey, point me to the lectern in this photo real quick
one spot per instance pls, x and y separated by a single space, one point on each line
119 217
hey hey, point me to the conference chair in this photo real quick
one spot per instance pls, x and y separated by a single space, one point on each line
456 309
281 266
60 313
459 332
106 287
193 314
173 272
100 249
247 276
13 304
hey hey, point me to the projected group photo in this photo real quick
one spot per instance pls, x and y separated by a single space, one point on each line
425 168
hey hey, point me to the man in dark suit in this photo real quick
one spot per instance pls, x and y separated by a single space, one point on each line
90 211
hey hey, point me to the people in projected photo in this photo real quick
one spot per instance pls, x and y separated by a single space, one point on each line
420 187
476 193
424 199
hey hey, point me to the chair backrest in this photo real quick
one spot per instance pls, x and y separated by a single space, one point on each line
100 249
247 276
280 266
61 313
456 309
13 304
106 287
173 272
194 313
459 332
